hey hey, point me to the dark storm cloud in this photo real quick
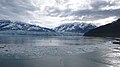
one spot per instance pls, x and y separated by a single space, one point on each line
61 1
24 9
95 13
88 14
55 11
99 4
15 9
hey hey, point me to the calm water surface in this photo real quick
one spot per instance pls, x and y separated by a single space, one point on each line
99 58
51 40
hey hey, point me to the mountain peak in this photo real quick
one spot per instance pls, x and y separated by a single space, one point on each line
75 27
117 21
9 25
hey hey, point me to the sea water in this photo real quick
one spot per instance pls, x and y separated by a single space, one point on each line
58 51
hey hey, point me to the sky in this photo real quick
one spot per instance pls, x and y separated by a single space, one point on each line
52 13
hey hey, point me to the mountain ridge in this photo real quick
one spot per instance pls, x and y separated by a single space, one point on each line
108 30
17 27
9 25
75 27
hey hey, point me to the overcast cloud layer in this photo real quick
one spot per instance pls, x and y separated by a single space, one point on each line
50 13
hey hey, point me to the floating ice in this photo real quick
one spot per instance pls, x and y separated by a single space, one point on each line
38 51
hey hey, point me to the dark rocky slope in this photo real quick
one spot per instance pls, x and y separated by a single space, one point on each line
109 30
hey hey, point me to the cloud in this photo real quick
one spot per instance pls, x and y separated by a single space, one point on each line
53 12
95 10
97 4
96 15
105 4
16 9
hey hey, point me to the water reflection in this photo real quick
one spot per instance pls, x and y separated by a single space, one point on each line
15 56
51 40
104 58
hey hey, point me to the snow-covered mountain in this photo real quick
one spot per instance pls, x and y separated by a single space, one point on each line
21 28
6 25
75 27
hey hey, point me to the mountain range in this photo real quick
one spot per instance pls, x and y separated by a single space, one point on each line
109 30
75 27
88 29
7 26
